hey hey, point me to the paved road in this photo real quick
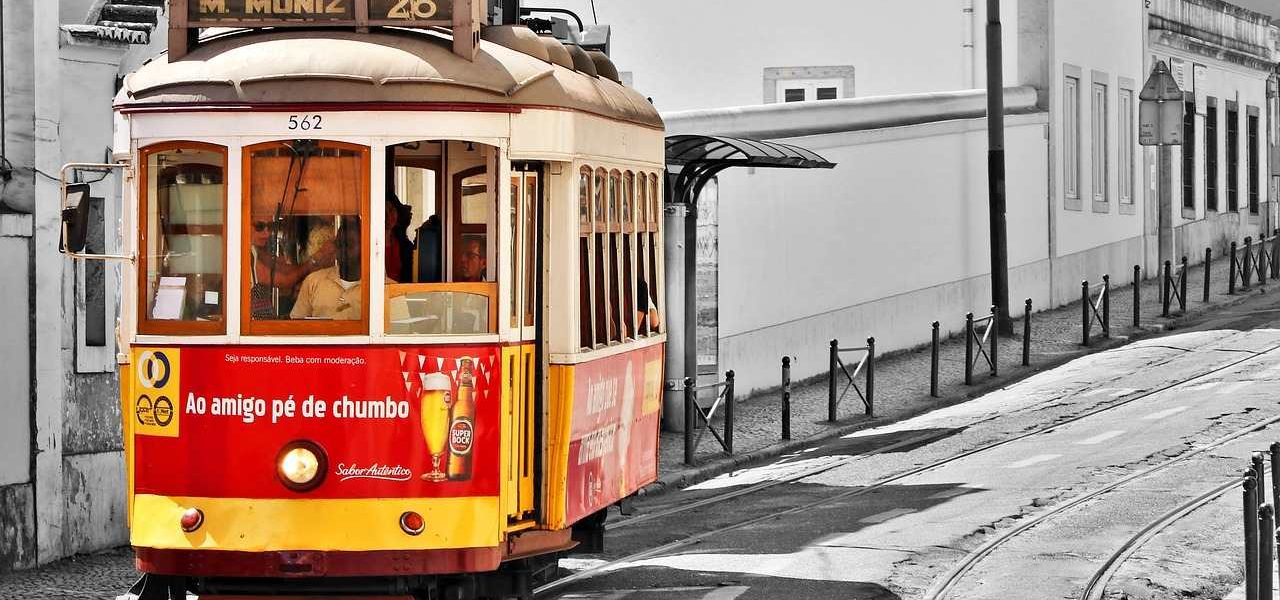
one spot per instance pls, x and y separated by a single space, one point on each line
895 541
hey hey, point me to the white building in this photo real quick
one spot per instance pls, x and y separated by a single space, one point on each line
61 460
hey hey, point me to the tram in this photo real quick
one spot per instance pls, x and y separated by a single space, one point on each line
392 316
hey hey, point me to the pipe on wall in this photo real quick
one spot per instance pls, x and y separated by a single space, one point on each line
968 46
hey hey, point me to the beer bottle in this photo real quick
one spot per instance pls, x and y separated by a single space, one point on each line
462 424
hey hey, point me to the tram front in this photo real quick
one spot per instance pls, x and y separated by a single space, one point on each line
344 338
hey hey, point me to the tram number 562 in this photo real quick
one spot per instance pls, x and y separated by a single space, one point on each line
305 122
413 9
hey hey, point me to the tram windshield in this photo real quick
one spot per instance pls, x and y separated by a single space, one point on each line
441 251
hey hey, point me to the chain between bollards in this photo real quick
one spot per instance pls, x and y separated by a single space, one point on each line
1026 334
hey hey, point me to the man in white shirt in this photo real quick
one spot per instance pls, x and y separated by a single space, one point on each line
337 292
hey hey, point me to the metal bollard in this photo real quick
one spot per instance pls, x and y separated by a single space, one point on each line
1231 272
968 348
1259 475
1137 295
1084 312
1250 538
933 364
1275 250
1262 261
833 364
1208 267
1275 468
871 376
690 419
1106 306
1266 550
1165 281
1247 277
1026 334
1182 287
994 334
786 397
728 412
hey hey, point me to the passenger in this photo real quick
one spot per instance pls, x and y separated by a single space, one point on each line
472 263
336 292
428 251
274 272
646 308
399 255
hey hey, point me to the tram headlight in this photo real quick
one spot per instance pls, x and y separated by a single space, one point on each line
301 465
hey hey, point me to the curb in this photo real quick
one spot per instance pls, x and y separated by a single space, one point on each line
724 464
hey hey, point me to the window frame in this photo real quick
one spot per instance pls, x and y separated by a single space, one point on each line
1127 141
1100 142
1211 156
251 327
1188 149
145 325
1233 157
1071 144
1253 127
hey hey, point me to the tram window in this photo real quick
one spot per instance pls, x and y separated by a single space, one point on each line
654 285
602 305
306 233
529 202
617 314
628 255
183 240
585 279
641 263
515 246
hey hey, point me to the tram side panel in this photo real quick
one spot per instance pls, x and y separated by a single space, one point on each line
604 427
208 426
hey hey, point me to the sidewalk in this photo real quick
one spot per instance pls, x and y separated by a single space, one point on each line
902 378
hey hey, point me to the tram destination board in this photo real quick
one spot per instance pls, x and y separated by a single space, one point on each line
257 13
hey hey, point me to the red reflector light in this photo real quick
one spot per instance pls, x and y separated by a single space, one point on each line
192 519
412 523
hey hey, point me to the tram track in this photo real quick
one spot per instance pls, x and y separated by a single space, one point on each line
932 437
544 590
945 585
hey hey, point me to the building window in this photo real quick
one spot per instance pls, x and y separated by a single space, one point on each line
1252 134
1071 137
1098 142
1233 157
1189 155
802 84
1211 156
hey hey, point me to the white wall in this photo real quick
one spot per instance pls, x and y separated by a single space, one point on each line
901 220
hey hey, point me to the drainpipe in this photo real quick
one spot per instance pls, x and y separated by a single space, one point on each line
969 53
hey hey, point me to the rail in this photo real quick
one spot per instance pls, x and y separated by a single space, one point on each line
1095 309
868 361
971 335
696 418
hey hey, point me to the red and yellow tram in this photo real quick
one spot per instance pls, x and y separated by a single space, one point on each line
395 320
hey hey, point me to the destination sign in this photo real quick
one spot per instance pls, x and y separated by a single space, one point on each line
326 12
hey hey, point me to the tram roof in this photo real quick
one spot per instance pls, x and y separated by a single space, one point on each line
386 66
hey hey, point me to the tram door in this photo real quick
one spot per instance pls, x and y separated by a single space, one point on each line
525 366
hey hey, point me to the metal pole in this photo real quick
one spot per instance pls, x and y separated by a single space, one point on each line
831 380
728 412
995 342
1026 334
1164 289
691 290
1208 268
996 168
871 376
1275 468
1164 234
786 397
1084 312
1266 550
690 419
1137 295
1182 287
1275 248
1247 277
1231 277
1250 538
968 348
1259 475
1262 260
1106 305
933 364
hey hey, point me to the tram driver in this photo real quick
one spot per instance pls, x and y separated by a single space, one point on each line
335 292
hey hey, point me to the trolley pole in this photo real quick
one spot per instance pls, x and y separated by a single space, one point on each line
995 170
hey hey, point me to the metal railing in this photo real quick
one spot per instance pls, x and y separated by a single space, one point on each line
1260 524
972 335
1095 309
699 420
868 361
1174 285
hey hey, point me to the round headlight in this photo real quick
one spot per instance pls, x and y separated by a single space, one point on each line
301 465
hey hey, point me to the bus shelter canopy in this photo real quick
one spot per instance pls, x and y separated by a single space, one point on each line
694 159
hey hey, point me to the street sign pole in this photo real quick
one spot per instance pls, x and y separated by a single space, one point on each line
1160 124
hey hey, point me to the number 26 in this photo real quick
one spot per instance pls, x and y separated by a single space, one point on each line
305 122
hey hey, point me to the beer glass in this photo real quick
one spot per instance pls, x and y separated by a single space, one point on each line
436 402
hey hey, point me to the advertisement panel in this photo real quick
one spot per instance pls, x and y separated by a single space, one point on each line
613 448
390 422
